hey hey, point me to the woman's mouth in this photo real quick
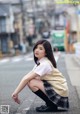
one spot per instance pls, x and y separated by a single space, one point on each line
36 54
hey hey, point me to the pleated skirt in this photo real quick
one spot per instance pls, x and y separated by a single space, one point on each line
61 102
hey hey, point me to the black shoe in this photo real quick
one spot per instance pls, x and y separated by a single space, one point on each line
45 108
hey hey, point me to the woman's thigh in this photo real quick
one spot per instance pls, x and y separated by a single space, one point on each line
36 84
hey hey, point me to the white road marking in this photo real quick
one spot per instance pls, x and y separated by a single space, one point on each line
26 108
28 57
4 60
56 55
16 59
56 58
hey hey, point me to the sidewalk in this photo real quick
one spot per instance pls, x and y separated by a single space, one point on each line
71 71
73 68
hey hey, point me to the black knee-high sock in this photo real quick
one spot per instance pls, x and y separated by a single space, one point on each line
45 98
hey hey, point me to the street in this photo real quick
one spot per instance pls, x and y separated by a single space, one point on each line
11 72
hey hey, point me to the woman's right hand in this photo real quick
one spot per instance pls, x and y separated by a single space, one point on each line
15 98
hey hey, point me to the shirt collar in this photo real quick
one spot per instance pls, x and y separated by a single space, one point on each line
42 59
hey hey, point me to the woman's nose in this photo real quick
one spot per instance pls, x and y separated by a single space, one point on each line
37 50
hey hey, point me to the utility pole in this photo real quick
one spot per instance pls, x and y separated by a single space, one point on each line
23 19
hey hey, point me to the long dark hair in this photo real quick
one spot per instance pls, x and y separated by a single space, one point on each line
48 51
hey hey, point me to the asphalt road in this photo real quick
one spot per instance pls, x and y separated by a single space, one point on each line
11 72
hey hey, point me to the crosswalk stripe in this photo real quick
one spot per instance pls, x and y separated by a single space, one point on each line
4 60
24 58
29 59
16 59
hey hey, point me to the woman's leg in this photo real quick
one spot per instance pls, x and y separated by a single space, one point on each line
36 84
37 87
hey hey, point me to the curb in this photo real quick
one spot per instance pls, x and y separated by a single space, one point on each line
77 60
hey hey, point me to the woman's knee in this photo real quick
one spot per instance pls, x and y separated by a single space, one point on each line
32 85
34 82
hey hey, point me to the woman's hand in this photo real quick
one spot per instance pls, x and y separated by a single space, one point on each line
15 98
22 84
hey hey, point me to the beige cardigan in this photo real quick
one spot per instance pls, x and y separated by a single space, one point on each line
57 80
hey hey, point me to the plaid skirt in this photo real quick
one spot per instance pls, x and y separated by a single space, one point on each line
61 102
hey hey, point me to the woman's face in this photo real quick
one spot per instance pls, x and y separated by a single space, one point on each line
39 51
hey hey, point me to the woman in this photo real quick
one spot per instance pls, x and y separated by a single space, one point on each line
45 80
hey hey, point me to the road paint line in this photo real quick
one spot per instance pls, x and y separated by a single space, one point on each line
4 60
17 59
26 109
56 58
26 58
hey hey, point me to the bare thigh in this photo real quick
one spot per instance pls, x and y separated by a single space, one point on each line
36 84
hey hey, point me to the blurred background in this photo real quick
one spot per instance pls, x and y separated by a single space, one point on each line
23 22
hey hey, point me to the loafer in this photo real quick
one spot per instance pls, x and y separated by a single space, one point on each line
45 108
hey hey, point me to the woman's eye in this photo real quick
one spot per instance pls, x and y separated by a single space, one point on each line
40 48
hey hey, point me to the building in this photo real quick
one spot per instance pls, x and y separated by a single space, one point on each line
6 27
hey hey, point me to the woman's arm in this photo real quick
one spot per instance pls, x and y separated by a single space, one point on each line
22 84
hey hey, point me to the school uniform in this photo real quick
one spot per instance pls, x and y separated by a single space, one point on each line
54 83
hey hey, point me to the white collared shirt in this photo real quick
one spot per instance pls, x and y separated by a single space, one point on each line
43 68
